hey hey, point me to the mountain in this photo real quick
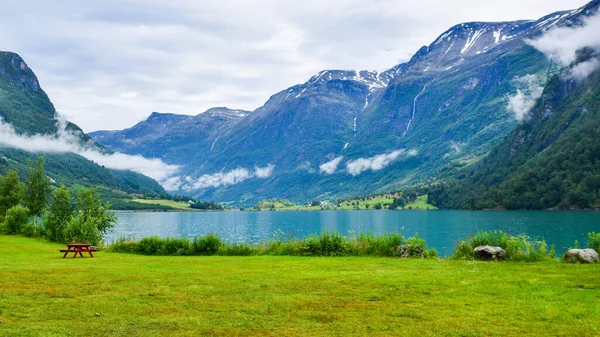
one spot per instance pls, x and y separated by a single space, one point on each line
29 111
359 132
170 136
551 160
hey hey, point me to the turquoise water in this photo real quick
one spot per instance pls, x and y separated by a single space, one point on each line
441 229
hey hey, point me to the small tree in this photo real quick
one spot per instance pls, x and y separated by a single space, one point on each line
59 213
11 192
91 209
37 188
16 219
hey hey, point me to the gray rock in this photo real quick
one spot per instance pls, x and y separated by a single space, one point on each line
410 251
490 253
582 256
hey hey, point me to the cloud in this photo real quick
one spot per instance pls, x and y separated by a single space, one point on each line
376 163
561 44
264 172
331 166
521 103
66 141
584 69
108 64
219 179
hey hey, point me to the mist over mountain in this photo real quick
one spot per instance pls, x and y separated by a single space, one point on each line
30 127
346 132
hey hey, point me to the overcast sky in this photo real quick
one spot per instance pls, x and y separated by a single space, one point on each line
109 64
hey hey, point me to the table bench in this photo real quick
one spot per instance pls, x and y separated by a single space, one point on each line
78 248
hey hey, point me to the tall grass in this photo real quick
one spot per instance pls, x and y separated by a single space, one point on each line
518 248
594 241
323 244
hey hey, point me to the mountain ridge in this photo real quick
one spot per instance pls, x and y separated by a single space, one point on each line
448 104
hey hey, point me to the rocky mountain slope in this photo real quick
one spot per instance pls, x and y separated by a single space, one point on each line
551 160
26 111
357 132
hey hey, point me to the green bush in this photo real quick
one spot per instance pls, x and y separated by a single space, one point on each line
82 229
518 248
594 241
150 245
325 244
124 245
206 245
16 218
29 230
175 247
384 245
237 249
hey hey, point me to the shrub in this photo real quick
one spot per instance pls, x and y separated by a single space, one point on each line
82 230
594 241
29 230
518 248
125 245
237 249
150 245
325 244
207 245
16 218
370 244
175 247
464 251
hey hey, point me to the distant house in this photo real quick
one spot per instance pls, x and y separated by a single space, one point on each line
324 203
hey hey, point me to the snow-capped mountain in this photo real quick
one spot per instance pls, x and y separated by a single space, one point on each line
347 132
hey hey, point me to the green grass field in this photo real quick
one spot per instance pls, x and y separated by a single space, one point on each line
175 204
420 204
114 294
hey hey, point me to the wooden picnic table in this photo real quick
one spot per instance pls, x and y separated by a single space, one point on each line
78 248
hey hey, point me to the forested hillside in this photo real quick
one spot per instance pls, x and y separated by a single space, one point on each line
551 160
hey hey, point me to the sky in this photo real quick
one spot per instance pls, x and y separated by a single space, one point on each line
109 64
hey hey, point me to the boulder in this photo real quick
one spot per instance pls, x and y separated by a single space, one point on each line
410 251
489 253
582 256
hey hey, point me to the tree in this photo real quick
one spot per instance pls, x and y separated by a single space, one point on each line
37 188
11 192
91 210
16 218
59 213
315 203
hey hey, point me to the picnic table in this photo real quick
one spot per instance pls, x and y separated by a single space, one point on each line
78 248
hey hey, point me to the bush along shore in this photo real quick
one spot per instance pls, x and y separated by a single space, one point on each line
495 245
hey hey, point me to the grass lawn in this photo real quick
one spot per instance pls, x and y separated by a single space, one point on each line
42 294
171 203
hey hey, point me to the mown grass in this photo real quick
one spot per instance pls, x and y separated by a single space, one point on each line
42 294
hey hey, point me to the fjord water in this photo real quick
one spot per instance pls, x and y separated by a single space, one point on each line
441 229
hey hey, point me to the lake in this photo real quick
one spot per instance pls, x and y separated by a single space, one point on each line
441 229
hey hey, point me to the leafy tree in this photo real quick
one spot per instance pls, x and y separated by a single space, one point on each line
37 188
90 210
59 213
11 192
315 203
16 219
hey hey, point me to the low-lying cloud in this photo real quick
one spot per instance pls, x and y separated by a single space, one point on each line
331 166
219 179
377 162
66 141
562 44
530 90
